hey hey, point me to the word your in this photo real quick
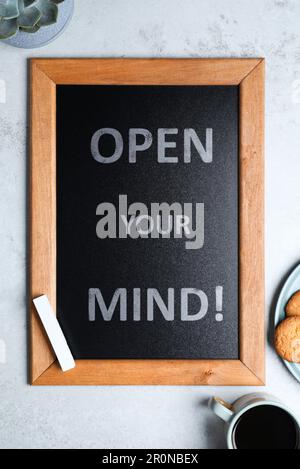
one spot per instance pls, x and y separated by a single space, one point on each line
164 143
163 219
97 304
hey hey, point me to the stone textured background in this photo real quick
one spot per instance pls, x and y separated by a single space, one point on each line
139 417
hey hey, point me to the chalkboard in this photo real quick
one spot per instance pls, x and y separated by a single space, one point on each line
147 221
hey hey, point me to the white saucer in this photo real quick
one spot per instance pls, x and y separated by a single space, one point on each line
291 285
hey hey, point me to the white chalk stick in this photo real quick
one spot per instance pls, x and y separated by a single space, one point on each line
54 332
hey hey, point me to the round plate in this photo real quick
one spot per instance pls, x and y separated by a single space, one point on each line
291 285
47 33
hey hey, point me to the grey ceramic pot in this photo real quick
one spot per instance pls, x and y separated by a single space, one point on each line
46 34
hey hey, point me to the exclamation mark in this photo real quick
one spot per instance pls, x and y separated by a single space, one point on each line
219 304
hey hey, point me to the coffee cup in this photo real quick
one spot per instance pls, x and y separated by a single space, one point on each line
258 421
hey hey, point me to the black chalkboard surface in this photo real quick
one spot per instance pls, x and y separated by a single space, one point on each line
148 280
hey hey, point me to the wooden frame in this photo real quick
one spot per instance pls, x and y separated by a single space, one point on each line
249 75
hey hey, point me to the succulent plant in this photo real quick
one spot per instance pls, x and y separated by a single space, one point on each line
26 15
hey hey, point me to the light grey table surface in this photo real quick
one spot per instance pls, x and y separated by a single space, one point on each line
146 417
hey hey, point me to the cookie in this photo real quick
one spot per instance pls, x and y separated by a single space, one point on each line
293 306
287 339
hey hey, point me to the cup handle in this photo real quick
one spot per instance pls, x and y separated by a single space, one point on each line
221 408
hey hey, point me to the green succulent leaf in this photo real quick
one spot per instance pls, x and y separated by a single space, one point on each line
34 28
49 12
9 10
29 17
8 28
